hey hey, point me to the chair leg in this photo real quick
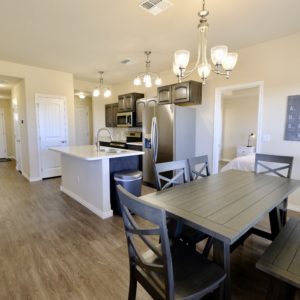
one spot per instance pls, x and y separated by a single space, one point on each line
208 246
132 285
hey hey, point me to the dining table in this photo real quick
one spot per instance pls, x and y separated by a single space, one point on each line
226 206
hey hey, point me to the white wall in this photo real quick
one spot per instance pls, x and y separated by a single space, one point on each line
41 81
239 120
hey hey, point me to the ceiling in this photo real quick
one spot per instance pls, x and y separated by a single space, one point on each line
85 36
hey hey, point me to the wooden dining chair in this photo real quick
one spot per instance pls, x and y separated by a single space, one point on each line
277 165
164 272
198 167
170 174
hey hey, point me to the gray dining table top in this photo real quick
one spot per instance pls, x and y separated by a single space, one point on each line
225 205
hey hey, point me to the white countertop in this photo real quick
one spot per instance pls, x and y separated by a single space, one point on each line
89 152
135 143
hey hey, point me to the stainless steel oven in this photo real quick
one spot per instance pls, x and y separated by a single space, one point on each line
126 119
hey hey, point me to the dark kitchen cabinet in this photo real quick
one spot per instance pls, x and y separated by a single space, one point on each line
140 105
164 94
111 115
189 92
127 102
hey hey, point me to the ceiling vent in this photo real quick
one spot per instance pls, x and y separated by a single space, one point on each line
155 7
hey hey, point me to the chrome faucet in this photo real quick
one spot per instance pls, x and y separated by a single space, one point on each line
98 139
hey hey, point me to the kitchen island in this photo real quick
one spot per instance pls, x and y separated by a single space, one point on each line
87 174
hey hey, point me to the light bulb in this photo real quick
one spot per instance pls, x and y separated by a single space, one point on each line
137 81
107 93
96 92
218 54
204 70
146 78
158 81
230 61
148 82
182 58
81 96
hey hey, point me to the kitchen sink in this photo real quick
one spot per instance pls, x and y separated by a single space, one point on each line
112 150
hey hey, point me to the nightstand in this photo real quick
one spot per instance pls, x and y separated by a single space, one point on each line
244 150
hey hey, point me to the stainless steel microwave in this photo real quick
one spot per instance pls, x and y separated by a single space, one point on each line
126 119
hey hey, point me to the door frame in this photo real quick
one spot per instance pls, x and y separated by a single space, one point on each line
18 145
4 130
37 101
218 126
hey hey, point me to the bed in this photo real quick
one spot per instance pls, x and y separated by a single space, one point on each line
243 163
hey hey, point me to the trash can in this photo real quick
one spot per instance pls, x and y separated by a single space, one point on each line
131 180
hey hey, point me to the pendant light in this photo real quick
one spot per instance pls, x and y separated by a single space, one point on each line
101 89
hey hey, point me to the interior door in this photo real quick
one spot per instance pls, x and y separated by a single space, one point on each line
82 128
17 135
3 151
52 128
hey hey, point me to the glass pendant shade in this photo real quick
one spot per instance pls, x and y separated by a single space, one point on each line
182 58
107 93
230 61
204 70
176 69
218 54
137 81
158 81
96 92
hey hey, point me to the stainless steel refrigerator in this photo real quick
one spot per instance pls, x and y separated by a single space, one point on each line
168 134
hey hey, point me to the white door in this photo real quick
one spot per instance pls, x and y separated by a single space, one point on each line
52 131
82 128
17 135
3 151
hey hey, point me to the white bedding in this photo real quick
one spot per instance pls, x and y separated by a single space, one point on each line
243 163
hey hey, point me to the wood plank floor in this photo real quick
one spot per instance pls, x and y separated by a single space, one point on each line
53 248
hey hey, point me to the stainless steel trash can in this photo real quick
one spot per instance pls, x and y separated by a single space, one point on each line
131 180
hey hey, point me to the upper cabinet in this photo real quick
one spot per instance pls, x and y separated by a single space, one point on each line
111 115
127 102
189 92
140 105
164 94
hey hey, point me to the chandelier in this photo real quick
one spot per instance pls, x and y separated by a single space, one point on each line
101 89
223 61
147 77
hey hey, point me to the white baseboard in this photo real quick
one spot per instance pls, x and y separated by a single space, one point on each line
294 207
95 210
31 179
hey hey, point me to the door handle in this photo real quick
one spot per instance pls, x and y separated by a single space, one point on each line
63 142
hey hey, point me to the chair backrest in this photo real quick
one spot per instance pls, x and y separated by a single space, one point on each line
274 164
198 167
149 272
171 173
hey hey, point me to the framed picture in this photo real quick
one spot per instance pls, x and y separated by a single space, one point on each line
292 127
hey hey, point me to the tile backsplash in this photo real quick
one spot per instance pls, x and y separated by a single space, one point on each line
118 134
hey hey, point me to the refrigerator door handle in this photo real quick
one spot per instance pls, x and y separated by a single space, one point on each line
156 138
152 140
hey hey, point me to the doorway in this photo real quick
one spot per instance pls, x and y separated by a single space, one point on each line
3 147
52 132
227 143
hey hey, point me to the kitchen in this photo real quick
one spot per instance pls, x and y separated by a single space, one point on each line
52 246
